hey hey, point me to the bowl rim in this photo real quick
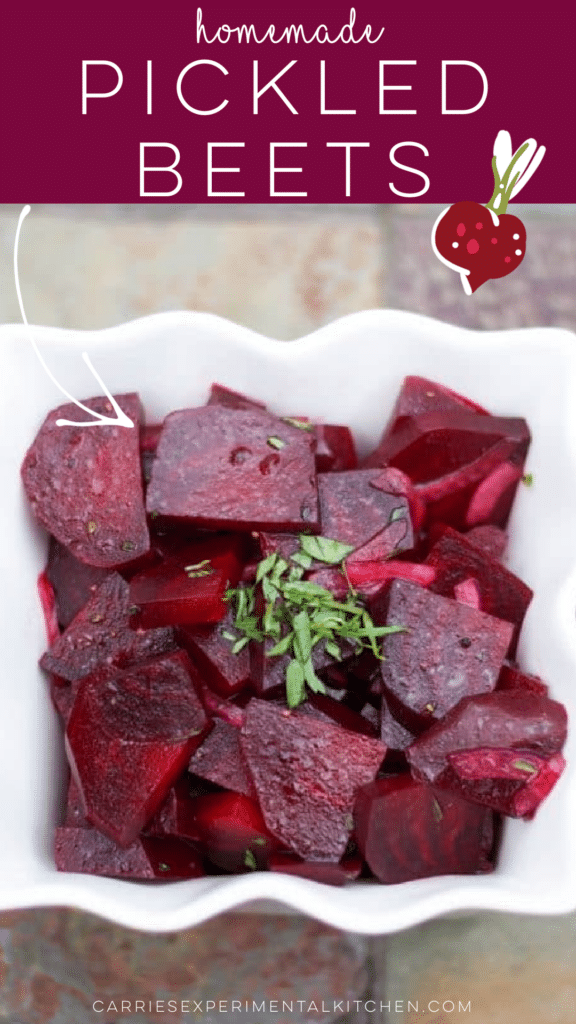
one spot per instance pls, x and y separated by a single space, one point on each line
278 891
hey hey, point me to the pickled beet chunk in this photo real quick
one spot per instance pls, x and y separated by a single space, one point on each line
407 830
100 636
130 737
353 510
47 599
395 737
490 539
431 445
514 679
418 395
187 588
502 594
175 816
74 582
512 782
88 851
306 772
229 469
221 395
326 872
508 719
85 485
219 760
211 650
448 651
335 448
233 832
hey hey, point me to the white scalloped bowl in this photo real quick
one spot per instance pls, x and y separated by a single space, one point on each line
349 373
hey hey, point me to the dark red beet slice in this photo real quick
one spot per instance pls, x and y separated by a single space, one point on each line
74 815
100 636
227 710
513 679
468 592
149 437
501 593
449 651
336 711
509 781
84 484
395 737
219 760
221 395
306 772
175 817
285 544
430 446
407 830
210 649
390 541
492 500
88 851
129 738
418 395
335 448
233 833
48 605
188 588
221 468
490 539
396 482
510 719
352 510
74 582
327 872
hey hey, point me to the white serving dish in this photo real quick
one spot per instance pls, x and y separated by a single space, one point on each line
347 372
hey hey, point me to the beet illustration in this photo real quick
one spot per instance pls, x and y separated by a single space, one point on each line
484 242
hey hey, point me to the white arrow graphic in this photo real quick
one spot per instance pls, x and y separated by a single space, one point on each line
121 418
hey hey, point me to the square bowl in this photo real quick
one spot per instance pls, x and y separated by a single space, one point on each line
347 372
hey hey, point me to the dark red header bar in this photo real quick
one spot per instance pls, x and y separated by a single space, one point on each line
291 102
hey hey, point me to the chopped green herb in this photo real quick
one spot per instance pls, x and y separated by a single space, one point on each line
259 841
203 568
301 424
437 811
525 766
349 822
229 636
528 479
298 614
163 867
276 442
154 514
127 545
250 860
133 609
92 526
397 513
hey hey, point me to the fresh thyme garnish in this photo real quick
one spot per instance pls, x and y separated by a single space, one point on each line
250 860
297 614
528 479
292 421
276 442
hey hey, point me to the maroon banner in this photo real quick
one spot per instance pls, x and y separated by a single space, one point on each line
290 102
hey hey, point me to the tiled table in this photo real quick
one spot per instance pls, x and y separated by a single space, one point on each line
283 271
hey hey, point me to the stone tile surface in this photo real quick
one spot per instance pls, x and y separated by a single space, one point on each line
55 965
280 276
508 969
540 293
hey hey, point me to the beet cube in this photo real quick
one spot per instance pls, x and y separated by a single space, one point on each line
74 582
335 448
88 851
407 830
395 737
219 760
418 395
100 636
48 605
188 588
84 484
326 872
449 651
175 817
430 445
490 539
501 593
508 719
221 468
389 542
306 772
129 738
211 651
513 679
232 830
221 395
513 782
352 510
